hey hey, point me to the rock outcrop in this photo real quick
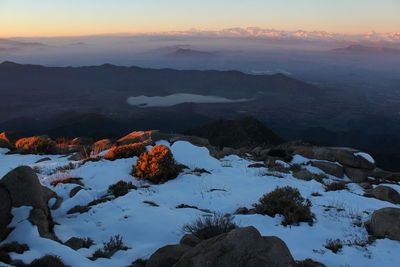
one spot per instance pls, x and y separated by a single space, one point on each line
21 187
386 193
240 247
385 223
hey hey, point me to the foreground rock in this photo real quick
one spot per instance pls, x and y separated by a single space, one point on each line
240 247
22 187
385 223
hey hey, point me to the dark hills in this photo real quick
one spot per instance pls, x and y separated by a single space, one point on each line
361 49
243 132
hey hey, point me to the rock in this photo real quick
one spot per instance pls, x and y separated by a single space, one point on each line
343 155
24 187
75 191
75 243
101 145
242 210
304 174
40 218
49 194
240 247
329 168
137 137
386 193
43 159
356 175
167 256
5 212
309 263
385 223
189 240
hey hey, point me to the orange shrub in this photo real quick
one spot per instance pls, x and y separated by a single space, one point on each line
157 166
125 151
36 145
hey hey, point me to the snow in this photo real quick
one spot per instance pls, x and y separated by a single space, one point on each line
366 156
230 185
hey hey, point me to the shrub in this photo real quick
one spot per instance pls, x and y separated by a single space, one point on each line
48 261
67 180
120 188
109 248
125 151
335 186
157 166
210 226
36 145
334 244
14 247
288 202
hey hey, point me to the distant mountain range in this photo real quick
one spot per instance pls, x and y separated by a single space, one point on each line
361 49
256 32
13 45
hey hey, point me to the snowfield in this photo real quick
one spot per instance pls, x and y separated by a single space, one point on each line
231 184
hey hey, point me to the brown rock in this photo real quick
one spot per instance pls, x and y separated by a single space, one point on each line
137 137
24 187
189 240
343 155
43 159
240 247
75 243
356 175
167 256
75 191
303 174
101 145
385 223
386 193
329 168
5 212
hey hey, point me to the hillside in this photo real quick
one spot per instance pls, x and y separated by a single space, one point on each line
96 191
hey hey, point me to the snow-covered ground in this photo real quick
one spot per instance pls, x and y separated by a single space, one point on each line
146 228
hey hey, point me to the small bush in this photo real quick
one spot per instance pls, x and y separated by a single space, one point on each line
288 202
67 180
334 244
121 188
109 248
157 166
14 247
36 145
48 261
335 186
125 151
210 226
103 199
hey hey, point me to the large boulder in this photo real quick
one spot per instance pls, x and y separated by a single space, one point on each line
386 193
240 247
329 168
385 223
137 137
167 256
346 156
5 212
356 175
24 189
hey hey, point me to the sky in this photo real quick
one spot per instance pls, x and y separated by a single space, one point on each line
30 18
